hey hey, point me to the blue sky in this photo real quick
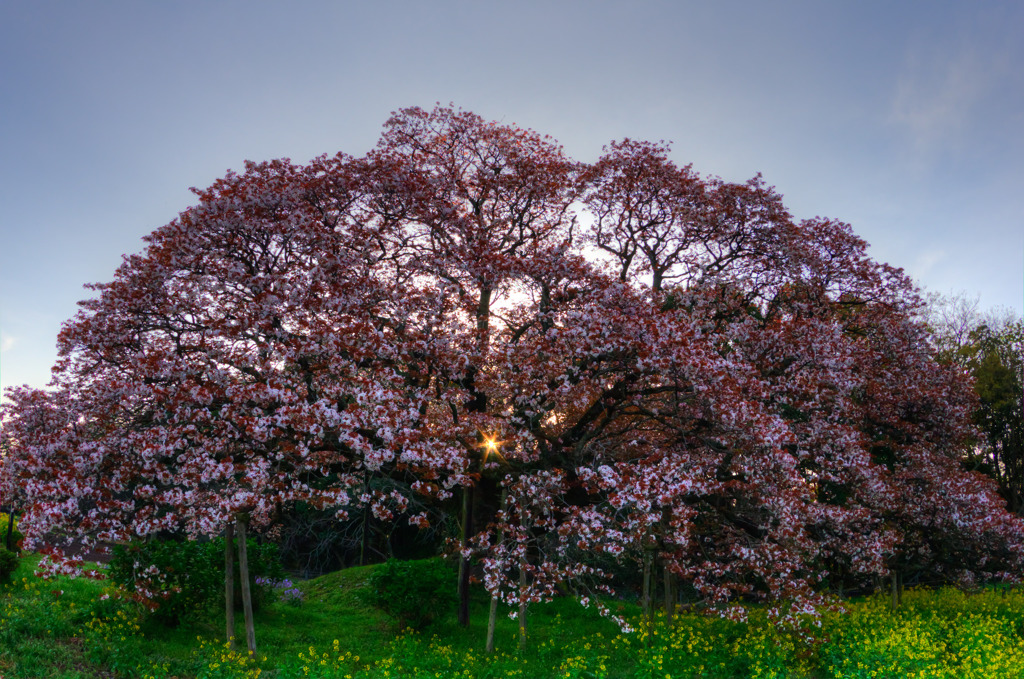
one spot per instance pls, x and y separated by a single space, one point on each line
903 118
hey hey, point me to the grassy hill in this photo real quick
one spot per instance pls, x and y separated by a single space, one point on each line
75 629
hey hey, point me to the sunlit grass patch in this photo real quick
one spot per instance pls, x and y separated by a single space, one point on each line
942 633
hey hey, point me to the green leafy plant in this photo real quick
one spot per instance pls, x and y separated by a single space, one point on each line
8 564
180 580
16 535
415 592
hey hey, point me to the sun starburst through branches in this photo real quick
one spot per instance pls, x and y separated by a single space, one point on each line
491 446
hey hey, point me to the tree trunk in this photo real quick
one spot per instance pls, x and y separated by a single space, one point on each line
243 573
522 605
895 590
645 594
467 532
492 621
365 538
10 530
478 404
492 614
670 603
229 582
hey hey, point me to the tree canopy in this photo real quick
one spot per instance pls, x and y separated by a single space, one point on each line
647 363
989 347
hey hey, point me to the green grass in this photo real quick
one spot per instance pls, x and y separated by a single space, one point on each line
67 629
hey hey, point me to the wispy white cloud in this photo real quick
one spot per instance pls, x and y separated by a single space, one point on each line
938 94
924 263
7 342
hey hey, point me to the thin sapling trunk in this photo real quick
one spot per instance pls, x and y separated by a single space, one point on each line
645 597
522 604
243 573
670 603
229 582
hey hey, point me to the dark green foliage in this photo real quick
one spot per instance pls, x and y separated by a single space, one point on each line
997 373
185 566
990 347
195 573
8 564
415 592
15 534
316 541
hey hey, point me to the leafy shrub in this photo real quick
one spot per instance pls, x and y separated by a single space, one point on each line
16 535
180 580
415 592
8 564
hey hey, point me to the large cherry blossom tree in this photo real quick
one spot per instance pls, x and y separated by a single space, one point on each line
623 361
